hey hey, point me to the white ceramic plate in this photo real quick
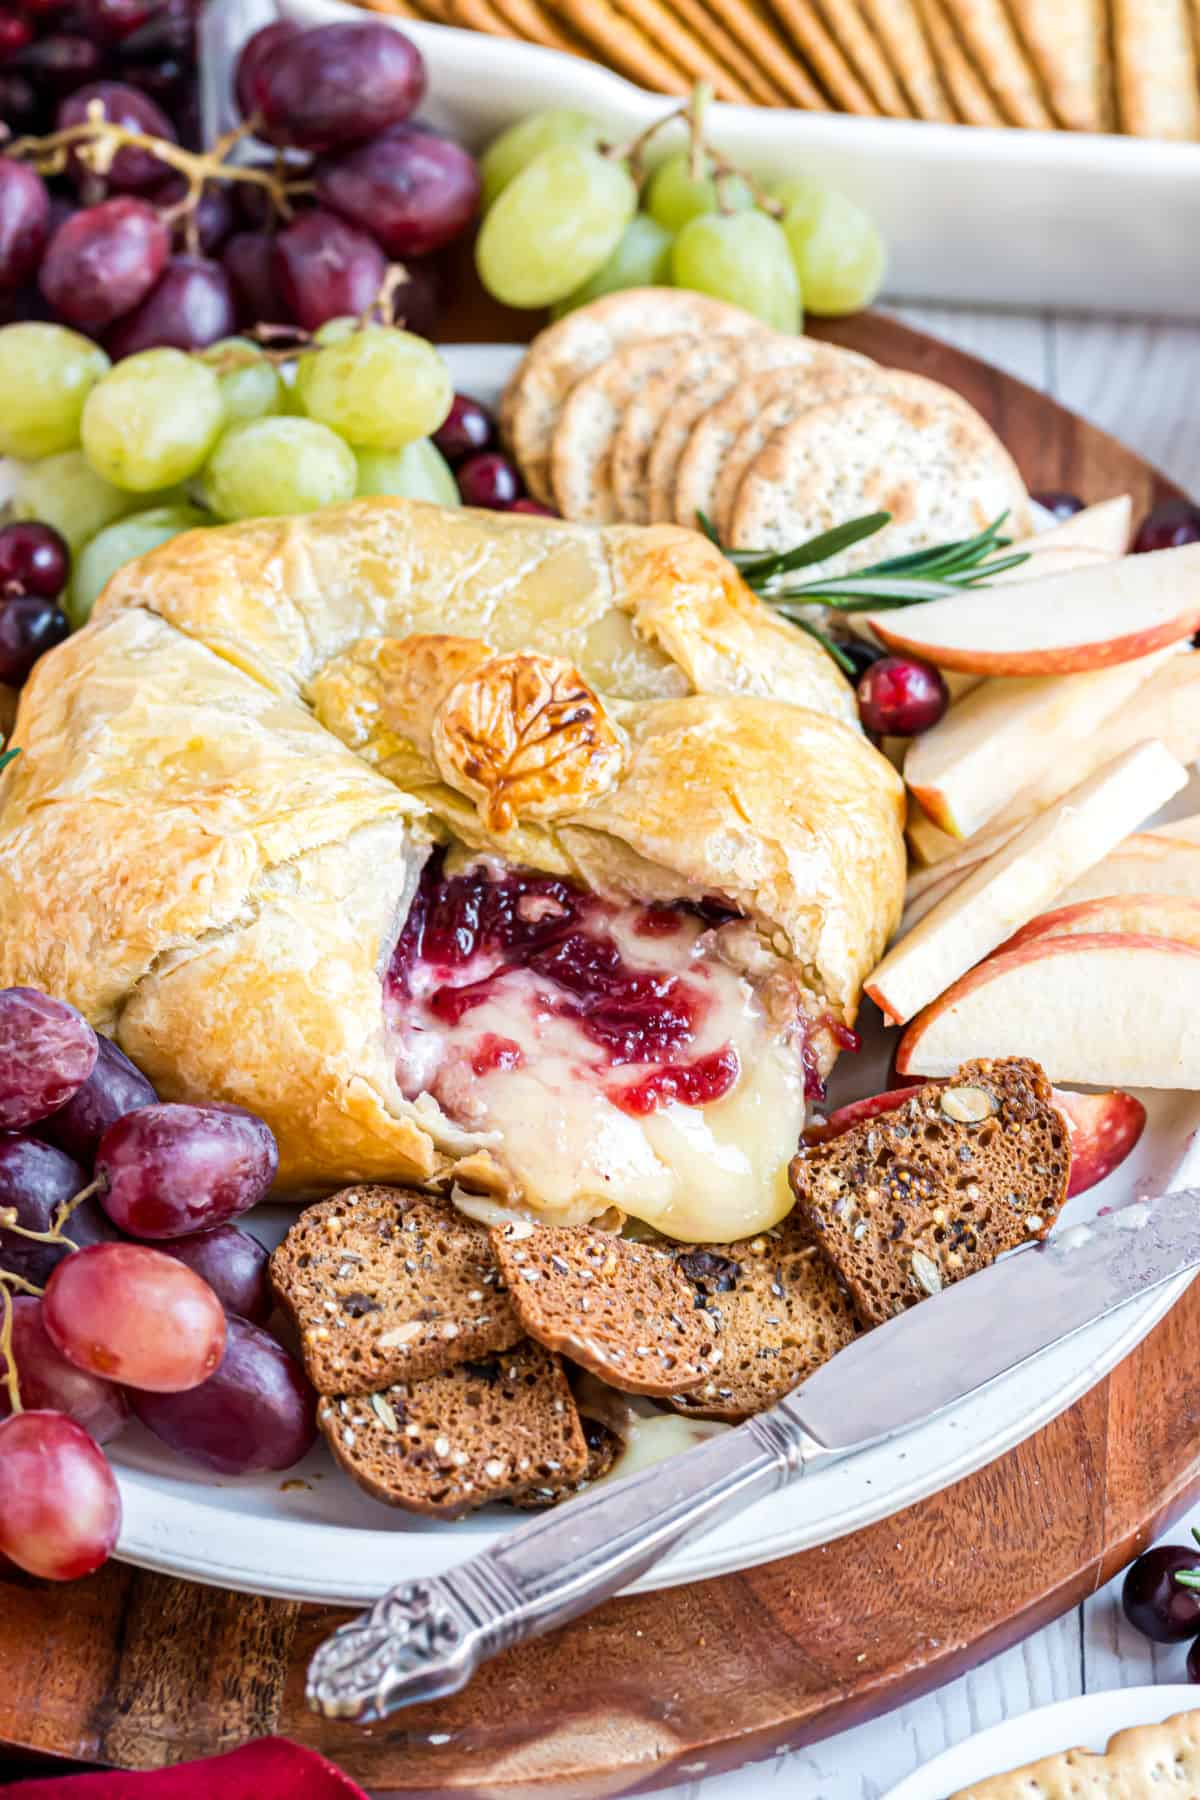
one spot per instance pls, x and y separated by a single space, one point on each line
984 217
1086 1722
312 1535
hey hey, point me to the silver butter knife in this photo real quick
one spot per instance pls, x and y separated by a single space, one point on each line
426 1638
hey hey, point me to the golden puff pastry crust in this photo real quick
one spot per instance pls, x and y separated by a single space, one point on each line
231 779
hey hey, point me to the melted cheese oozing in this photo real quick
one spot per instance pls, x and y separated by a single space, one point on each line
708 1173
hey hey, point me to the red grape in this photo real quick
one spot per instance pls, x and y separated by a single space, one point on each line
899 696
255 53
170 1170
417 301
130 1314
249 260
15 33
335 84
191 307
60 1511
35 1180
104 261
47 1051
132 170
28 628
170 31
112 20
58 65
213 217
1167 526
235 1266
488 480
415 192
49 1383
256 1412
24 222
33 560
18 103
114 1087
468 428
326 269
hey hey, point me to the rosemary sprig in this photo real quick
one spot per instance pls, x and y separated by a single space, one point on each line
6 756
895 581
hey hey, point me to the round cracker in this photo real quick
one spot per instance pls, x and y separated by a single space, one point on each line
918 451
679 407
715 434
768 411
565 351
581 452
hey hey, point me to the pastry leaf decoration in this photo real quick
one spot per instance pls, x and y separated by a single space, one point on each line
896 581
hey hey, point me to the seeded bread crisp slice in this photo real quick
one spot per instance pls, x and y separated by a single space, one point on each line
780 1310
384 1284
482 1431
620 1309
910 1200
603 1447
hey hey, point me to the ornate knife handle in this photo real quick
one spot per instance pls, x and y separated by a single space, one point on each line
427 1638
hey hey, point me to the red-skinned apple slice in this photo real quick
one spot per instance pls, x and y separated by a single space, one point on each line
1020 880
1086 619
1104 1128
1145 863
1105 1010
1106 528
1137 915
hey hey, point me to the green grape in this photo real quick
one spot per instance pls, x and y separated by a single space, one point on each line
516 148
673 197
152 420
554 225
64 491
641 259
742 258
335 331
418 472
119 544
46 374
378 388
249 383
838 250
273 466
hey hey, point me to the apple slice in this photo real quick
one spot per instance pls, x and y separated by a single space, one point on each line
1146 863
1018 881
1104 1011
1049 559
974 762
1104 1128
1187 829
1106 527
1138 915
1086 619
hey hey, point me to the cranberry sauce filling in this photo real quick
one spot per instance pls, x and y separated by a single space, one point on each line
467 934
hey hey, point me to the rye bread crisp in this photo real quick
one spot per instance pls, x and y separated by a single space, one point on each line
908 1201
384 1284
782 1313
603 1448
482 1431
564 352
621 1309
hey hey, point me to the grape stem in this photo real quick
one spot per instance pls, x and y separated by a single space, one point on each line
700 156
56 1234
97 140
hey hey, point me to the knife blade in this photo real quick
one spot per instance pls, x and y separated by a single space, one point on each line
426 1638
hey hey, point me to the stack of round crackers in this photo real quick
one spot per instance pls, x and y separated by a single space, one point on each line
1074 65
656 405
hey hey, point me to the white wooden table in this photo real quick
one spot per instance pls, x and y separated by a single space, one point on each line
1135 378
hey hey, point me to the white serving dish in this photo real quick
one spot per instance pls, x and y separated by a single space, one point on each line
971 215
1086 1722
312 1535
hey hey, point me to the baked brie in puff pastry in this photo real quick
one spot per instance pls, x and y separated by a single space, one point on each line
533 857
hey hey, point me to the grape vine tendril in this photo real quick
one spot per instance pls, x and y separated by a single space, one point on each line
11 1384
56 1234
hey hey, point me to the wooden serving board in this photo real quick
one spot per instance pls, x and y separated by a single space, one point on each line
137 1670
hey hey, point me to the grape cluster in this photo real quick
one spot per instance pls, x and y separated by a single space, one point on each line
567 219
127 1291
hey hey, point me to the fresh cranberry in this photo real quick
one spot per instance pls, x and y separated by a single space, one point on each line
1061 504
1156 1603
33 560
861 655
900 696
468 428
15 33
489 480
1167 527
526 505
693 1084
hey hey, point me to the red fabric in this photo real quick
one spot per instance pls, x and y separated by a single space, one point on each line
271 1769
